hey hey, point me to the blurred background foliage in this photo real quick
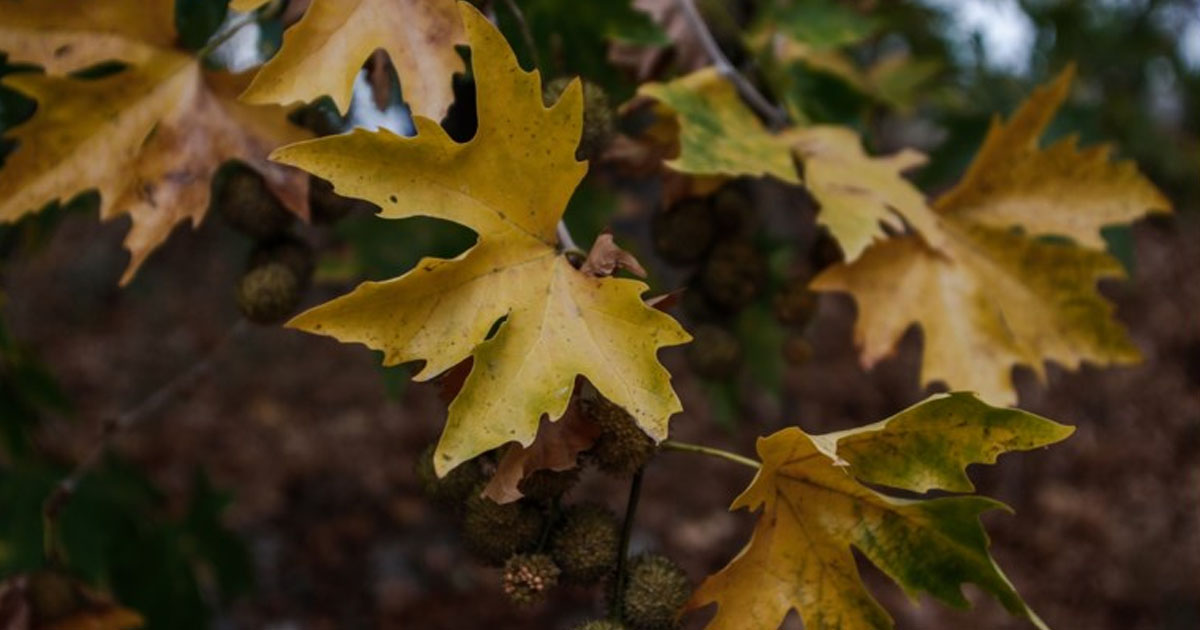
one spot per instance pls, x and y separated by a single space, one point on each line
927 74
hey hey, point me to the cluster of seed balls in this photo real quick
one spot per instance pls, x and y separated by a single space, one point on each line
539 544
716 236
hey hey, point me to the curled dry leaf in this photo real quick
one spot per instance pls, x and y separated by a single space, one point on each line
149 138
606 257
557 447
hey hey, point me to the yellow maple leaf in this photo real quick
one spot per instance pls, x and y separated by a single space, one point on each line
149 137
858 194
510 184
992 297
323 52
815 508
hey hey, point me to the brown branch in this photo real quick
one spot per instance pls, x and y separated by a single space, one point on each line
112 426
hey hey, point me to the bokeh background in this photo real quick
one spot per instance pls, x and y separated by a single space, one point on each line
278 491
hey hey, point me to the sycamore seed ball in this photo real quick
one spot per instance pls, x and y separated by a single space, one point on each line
496 531
269 293
599 119
244 201
622 447
585 543
601 624
452 490
527 578
655 593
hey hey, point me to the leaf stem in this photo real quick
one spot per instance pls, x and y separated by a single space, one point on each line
228 33
111 427
685 447
775 116
565 242
526 34
618 595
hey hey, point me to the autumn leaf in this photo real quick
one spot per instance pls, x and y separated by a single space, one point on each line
149 137
510 184
859 194
323 52
814 509
557 448
996 296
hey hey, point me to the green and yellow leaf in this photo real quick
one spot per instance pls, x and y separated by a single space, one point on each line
510 184
814 509
995 295
149 137
859 195
323 53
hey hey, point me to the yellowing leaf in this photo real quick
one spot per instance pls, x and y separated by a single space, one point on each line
510 184
69 35
246 5
992 297
323 52
815 509
1057 190
718 135
149 138
858 194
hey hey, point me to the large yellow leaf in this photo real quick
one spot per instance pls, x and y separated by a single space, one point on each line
815 508
994 297
859 194
510 184
323 52
149 138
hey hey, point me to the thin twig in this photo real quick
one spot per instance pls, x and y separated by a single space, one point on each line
672 445
112 426
526 34
225 35
618 595
564 239
775 116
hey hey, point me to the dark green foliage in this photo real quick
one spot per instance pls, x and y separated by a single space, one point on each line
453 489
528 577
656 590
244 201
715 352
683 232
734 274
599 119
585 543
494 531
622 447
198 20
115 532
269 293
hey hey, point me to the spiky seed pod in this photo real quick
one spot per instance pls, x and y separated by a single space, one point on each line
683 232
527 578
599 119
734 213
734 274
601 624
715 352
244 201
656 590
622 447
452 490
286 249
545 485
494 531
328 207
267 294
795 304
52 595
585 543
